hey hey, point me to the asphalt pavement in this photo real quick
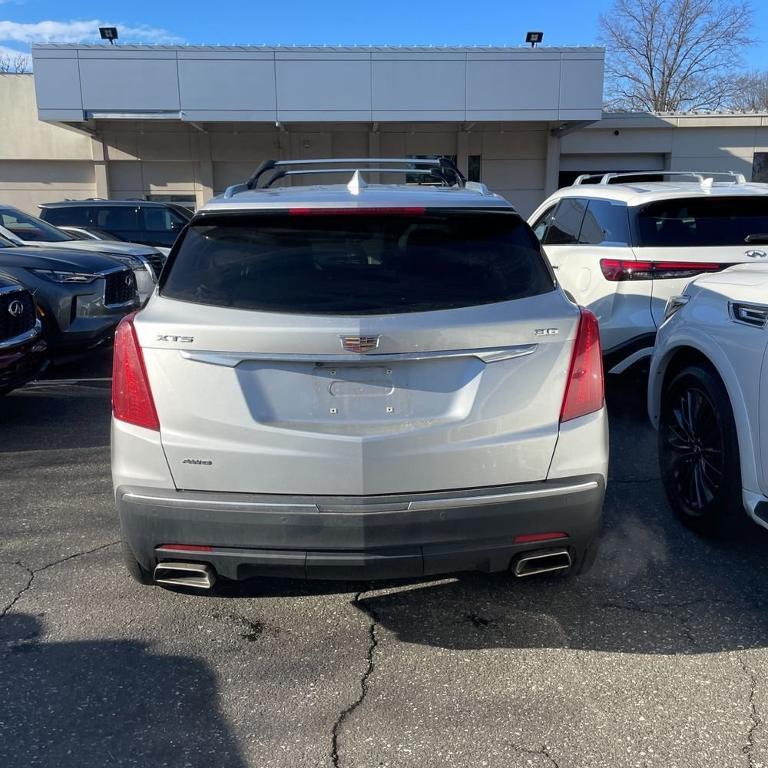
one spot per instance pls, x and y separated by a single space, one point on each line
657 657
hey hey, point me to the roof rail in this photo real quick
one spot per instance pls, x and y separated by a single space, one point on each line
700 176
442 169
432 173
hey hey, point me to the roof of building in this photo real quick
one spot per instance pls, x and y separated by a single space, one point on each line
539 50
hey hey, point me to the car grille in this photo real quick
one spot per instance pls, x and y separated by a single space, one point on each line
120 288
17 314
156 261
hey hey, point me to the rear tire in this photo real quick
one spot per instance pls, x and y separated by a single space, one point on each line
699 452
134 567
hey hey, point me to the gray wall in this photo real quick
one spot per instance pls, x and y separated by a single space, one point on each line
217 83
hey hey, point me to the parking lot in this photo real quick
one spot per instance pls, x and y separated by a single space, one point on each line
656 658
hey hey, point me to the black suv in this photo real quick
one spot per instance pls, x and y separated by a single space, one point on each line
137 221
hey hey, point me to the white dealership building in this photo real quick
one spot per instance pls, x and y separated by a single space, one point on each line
184 122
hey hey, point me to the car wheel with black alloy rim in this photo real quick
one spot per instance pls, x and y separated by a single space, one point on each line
699 451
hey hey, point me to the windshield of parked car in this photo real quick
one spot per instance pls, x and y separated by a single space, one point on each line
358 263
702 221
29 227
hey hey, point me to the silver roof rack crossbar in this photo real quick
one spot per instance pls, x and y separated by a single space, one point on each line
433 173
443 167
700 176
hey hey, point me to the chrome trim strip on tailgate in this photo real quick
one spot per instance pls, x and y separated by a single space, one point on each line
255 506
500 498
233 359
412 506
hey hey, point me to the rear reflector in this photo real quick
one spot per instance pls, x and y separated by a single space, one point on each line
356 211
531 538
187 547
620 270
585 389
131 396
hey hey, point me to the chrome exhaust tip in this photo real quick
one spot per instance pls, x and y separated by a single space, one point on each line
197 575
549 561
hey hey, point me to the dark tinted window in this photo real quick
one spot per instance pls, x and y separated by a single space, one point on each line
182 210
157 219
110 217
702 221
565 226
357 264
474 167
541 224
605 223
74 216
760 166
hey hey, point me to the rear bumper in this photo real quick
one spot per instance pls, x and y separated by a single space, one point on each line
375 537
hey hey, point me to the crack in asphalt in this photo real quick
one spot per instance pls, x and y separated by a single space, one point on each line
755 719
670 614
32 572
16 599
372 645
543 751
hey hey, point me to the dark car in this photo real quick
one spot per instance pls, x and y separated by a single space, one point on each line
139 221
22 348
80 296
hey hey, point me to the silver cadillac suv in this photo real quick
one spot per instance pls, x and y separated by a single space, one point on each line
357 380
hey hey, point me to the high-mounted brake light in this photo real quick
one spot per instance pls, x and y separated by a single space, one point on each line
585 389
620 270
131 395
418 211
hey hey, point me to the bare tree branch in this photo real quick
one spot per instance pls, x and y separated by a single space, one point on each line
673 55
751 93
16 64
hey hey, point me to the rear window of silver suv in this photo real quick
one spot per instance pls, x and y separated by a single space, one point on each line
319 261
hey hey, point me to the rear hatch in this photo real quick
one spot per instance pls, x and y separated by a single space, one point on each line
684 237
357 352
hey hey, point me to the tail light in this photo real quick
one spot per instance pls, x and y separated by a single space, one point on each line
131 395
620 270
585 389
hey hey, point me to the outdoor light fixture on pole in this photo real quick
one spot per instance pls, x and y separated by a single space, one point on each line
534 38
108 33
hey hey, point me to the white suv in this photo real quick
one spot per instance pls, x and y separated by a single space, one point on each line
707 397
357 380
624 245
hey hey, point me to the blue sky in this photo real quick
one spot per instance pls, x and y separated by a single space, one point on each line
426 22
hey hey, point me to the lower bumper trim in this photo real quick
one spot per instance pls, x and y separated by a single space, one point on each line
359 537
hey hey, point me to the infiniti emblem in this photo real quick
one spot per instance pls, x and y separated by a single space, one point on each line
129 279
756 254
359 344
16 308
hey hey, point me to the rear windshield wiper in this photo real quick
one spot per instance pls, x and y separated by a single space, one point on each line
757 237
